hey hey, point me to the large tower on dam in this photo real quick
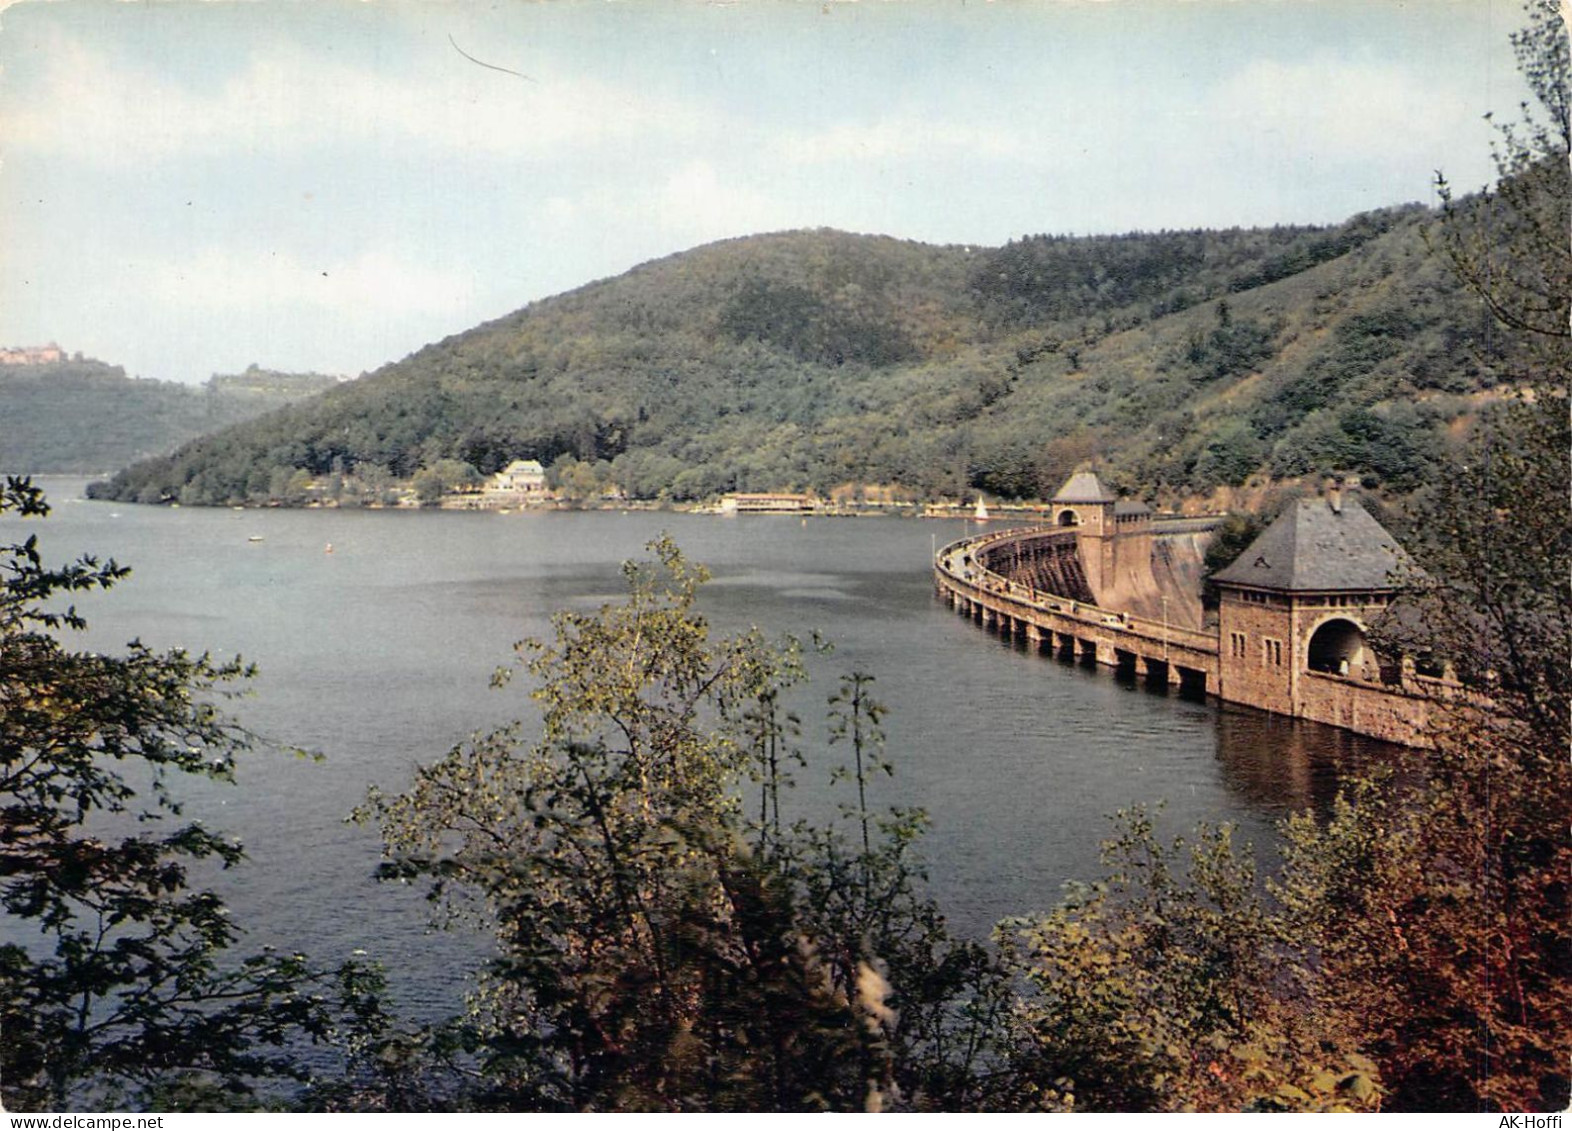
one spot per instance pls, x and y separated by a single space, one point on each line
1295 610
1090 508
1118 550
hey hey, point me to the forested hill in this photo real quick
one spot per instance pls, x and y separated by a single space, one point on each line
1182 361
82 416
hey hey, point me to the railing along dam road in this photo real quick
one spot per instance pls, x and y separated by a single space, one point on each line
1028 584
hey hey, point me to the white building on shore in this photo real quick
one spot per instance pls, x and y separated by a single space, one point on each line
521 483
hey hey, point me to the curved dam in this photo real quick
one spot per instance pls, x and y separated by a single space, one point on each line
1153 571
1037 583
1110 583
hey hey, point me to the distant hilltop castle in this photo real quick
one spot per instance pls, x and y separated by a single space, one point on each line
31 355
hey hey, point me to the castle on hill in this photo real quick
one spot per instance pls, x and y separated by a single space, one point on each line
31 355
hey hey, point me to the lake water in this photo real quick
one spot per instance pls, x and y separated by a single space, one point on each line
378 655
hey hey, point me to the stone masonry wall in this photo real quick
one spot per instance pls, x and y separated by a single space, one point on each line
1255 655
1365 708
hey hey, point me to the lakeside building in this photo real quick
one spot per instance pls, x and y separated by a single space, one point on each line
521 477
1294 620
521 484
767 503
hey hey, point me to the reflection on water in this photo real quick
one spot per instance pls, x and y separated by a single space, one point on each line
1280 765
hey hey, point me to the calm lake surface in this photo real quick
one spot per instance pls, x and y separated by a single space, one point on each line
378 656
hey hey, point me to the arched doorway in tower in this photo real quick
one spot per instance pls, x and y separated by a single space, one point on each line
1069 518
1338 647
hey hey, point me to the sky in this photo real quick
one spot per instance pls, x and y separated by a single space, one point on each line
194 186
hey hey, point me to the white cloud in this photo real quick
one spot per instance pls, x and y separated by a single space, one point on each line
678 204
1352 111
93 107
559 211
902 138
375 285
696 203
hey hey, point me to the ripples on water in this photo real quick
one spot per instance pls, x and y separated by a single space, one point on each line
378 655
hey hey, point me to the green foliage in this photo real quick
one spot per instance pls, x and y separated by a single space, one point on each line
442 478
855 717
940 1001
1395 446
1228 541
796 320
1232 455
1314 248
268 387
1232 349
657 950
577 482
1158 991
1046 279
114 991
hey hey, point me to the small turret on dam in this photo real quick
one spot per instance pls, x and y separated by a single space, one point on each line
1109 581
1113 553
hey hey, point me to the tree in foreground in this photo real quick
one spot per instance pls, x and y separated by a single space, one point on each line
1160 988
1435 905
1436 901
114 988
1509 242
657 950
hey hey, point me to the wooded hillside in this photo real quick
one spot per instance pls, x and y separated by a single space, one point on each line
84 416
1181 361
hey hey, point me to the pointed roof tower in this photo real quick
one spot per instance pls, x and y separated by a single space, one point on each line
1084 487
1319 545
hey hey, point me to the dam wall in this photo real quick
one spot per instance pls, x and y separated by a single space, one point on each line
1133 603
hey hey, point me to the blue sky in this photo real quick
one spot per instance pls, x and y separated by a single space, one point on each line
189 187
